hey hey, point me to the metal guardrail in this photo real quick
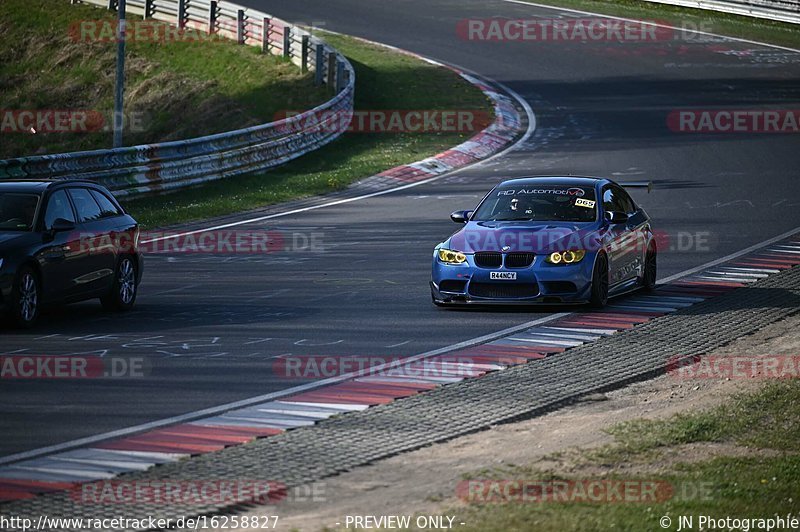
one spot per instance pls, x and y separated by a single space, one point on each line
171 165
780 10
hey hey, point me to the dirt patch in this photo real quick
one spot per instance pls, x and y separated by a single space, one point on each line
424 481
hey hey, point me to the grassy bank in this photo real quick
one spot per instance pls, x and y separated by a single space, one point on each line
384 80
769 31
174 89
754 472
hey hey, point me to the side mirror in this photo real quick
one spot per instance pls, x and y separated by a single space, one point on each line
60 225
616 217
461 217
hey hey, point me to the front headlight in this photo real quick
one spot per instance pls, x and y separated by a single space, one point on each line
448 256
566 257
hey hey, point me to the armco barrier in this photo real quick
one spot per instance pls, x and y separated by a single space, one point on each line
780 10
172 165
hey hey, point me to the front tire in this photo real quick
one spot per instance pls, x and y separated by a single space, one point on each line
125 288
650 269
599 294
25 298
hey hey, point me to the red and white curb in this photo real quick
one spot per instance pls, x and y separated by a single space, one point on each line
502 133
499 136
105 460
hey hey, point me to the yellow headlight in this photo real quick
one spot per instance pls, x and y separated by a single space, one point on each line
452 257
566 257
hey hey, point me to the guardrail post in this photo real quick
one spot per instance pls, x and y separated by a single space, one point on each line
287 42
331 70
319 73
266 26
181 13
340 82
148 8
304 60
240 35
212 17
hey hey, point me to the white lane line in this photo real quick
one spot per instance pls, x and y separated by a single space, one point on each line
14 473
156 456
739 274
344 406
729 257
728 279
207 413
776 250
656 24
603 332
527 135
539 341
671 299
84 474
756 270
125 466
667 310
566 335
218 410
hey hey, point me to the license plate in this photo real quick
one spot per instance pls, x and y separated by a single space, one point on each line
503 276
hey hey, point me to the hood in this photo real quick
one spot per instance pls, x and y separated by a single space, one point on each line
536 237
12 239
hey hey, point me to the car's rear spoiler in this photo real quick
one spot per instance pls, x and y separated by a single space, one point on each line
639 184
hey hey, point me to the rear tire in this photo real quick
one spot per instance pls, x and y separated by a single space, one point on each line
650 269
599 295
25 298
125 288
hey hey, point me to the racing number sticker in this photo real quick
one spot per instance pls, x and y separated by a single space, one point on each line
580 202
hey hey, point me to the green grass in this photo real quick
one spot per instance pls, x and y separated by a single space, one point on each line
761 484
769 31
384 80
767 419
175 89
187 89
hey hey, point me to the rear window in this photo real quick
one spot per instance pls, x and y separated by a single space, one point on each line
539 203
107 207
17 211
87 208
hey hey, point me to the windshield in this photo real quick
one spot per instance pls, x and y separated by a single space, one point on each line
17 211
541 204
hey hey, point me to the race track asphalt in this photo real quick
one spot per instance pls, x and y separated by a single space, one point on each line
210 325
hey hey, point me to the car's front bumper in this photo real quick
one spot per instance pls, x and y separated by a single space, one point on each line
541 283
